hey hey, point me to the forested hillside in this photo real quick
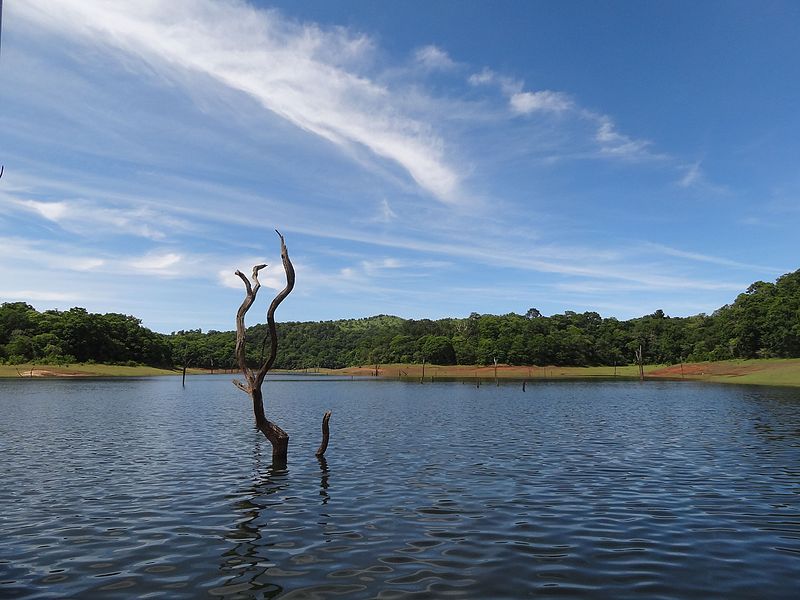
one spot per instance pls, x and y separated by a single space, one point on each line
764 321
62 337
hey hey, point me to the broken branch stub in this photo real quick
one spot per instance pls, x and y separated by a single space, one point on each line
325 434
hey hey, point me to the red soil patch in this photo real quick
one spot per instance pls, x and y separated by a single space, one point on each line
700 369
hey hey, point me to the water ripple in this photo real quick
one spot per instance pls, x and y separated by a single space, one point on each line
139 488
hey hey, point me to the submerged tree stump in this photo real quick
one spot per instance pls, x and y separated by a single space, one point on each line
255 379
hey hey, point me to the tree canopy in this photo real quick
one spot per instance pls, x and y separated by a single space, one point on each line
763 321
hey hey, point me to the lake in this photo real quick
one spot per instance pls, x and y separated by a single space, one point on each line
603 489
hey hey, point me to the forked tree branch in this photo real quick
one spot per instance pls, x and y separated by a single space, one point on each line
242 386
280 297
250 296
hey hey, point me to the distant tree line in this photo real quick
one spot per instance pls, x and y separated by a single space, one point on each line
764 322
75 335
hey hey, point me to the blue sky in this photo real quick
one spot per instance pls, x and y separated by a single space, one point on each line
423 159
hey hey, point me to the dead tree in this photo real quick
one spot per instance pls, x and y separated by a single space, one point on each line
255 378
640 361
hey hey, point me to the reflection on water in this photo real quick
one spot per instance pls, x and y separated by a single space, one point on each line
119 489
323 479
247 563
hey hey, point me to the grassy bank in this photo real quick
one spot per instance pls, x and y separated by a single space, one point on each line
469 371
784 372
769 371
775 371
81 370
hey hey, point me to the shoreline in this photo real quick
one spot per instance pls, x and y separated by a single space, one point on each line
779 372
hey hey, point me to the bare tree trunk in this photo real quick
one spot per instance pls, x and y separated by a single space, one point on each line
276 436
640 362
254 379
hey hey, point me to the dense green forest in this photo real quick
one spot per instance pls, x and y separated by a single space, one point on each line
764 321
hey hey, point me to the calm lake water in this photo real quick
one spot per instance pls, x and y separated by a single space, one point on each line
138 488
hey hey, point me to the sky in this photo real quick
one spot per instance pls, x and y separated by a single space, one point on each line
422 159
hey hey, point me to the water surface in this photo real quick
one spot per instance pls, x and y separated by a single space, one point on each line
139 488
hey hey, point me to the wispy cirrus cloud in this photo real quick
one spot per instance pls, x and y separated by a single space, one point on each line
609 139
41 254
385 213
38 296
179 134
157 263
308 76
714 260
614 143
692 175
85 216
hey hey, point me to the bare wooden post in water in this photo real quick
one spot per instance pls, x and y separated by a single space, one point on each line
254 379
640 362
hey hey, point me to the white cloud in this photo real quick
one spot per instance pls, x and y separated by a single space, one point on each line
32 254
37 296
307 75
482 78
385 212
433 57
507 85
157 263
87 217
228 278
614 143
705 258
528 102
348 273
692 176
273 277
373 267
52 211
